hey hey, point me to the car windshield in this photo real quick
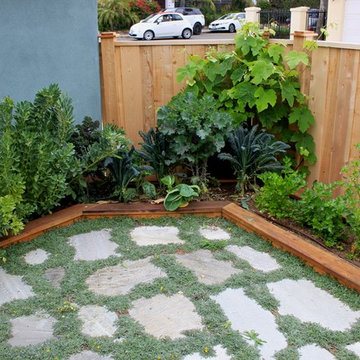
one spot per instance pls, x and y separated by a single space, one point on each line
149 19
227 16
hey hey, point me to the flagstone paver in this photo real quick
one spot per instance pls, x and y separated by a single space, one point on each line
36 257
355 348
164 316
121 278
31 330
314 352
97 321
220 355
95 245
12 287
214 233
207 269
309 303
155 235
246 314
90 355
55 276
258 260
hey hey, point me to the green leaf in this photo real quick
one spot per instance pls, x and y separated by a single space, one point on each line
275 51
264 98
271 116
261 71
186 191
289 90
302 116
294 58
245 92
305 143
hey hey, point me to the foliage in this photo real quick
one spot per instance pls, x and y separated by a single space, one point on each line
287 4
213 245
253 152
143 8
274 196
115 15
168 181
155 151
124 171
321 211
253 84
194 129
351 185
181 195
149 189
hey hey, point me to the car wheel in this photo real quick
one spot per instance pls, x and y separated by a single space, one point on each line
186 34
148 35
232 28
197 29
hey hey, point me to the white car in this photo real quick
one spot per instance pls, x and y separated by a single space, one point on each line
193 15
162 25
229 22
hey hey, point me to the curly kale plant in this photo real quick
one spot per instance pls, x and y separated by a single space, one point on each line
253 152
195 130
253 83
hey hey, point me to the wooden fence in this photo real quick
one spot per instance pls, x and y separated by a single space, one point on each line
138 77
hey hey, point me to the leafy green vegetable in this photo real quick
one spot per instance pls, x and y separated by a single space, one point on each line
180 195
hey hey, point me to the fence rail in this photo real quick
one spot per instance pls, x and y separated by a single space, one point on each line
138 77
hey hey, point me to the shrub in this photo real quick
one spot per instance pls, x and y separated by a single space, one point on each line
143 8
253 84
195 130
253 152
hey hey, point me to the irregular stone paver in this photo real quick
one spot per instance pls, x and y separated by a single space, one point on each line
309 303
36 257
163 316
258 260
246 314
214 233
12 287
220 355
55 276
97 321
206 268
156 235
121 278
89 355
31 330
95 245
355 348
312 352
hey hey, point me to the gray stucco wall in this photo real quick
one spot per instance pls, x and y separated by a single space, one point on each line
51 41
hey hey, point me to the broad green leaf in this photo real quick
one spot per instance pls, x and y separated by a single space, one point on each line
303 143
271 116
275 51
303 117
245 92
186 191
261 70
238 73
289 90
294 58
264 98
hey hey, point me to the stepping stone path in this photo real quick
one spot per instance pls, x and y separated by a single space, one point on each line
164 316
55 276
247 315
355 348
156 235
97 321
207 269
305 301
36 257
258 260
220 355
120 279
89 355
31 330
12 288
95 245
314 352
214 233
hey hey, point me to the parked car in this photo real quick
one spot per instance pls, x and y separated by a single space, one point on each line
193 15
229 22
162 25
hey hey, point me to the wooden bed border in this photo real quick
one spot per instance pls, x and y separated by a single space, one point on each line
323 261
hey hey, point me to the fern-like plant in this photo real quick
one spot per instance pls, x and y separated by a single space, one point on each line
253 152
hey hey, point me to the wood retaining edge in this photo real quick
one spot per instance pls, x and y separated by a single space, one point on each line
321 260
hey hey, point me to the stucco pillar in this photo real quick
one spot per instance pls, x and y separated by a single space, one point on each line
298 19
252 14
335 20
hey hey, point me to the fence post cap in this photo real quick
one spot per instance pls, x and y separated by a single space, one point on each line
252 8
107 35
300 9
